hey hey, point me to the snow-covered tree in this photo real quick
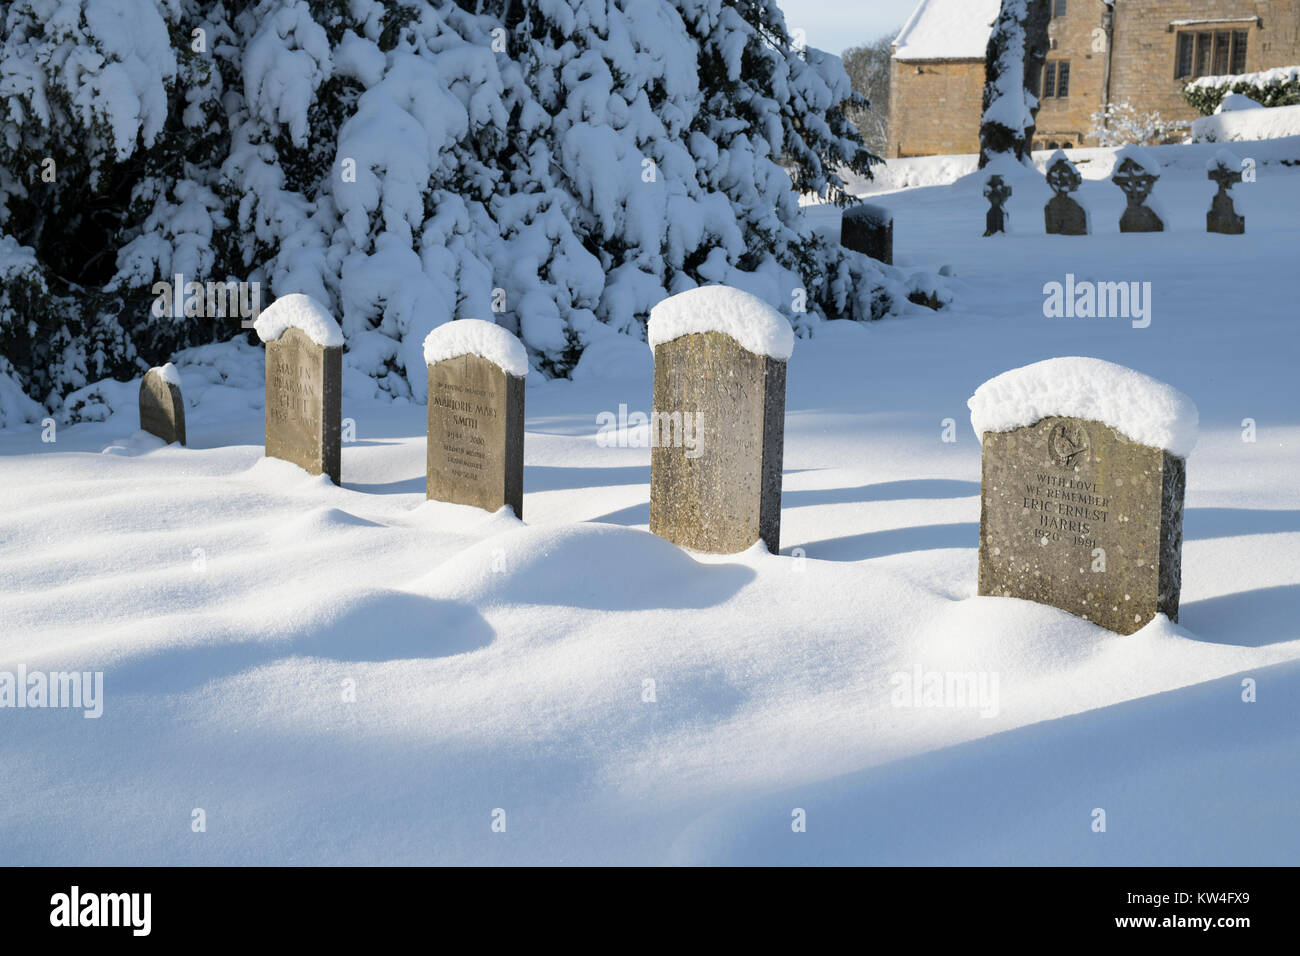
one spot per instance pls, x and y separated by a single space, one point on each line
1016 51
557 165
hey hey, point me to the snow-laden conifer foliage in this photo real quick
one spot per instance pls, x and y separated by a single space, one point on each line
559 166
1013 63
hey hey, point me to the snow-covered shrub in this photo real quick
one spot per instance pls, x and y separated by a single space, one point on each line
557 165
1276 87
1120 124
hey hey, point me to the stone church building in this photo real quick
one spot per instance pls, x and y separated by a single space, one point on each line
1138 51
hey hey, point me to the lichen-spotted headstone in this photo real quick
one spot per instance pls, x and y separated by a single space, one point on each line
304 384
717 428
1081 495
162 410
475 450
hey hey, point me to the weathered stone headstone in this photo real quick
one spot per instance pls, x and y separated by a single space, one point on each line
1064 215
1136 174
1074 512
997 191
1225 169
475 450
304 384
162 410
869 229
717 428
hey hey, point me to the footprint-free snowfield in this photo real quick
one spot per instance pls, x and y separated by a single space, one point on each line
352 674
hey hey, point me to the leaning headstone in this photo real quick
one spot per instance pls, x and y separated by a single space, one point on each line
162 411
1081 496
475 453
717 427
1064 215
304 384
1136 172
870 230
1224 169
997 191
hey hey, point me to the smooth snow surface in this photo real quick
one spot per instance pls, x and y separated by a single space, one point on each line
477 337
713 308
354 675
298 311
1134 404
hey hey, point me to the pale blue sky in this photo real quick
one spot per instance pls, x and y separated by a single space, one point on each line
836 25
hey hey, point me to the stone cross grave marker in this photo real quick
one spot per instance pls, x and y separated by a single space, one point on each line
1137 179
1064 215
997 191
1225 170
304 384
475 453
1075 513
162 410
717 427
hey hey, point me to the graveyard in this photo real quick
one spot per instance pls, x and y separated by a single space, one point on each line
372 639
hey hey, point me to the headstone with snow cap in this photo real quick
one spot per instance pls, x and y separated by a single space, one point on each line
162 411
1224 169
476 415
1136 172
717 427
304 384
1064 215
1081 496
869 229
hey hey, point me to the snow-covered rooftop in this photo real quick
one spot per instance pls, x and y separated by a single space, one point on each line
947 30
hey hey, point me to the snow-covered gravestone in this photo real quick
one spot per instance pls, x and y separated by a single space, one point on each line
1081 496
869 230
476 415
1225 170
162 412
717 427
997 192
1136 172
1064 216
304 384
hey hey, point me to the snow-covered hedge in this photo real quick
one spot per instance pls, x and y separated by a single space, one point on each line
1277 87
558 165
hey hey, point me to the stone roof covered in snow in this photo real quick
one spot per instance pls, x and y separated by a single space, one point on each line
947 30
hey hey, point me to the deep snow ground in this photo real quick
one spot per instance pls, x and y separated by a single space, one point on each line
231 601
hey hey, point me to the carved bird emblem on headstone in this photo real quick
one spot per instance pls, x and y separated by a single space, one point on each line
1066 445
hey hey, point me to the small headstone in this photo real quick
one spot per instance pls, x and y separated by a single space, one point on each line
870 230
475 452
1136 174
1225 169
1075 512
717 427
997 191
162 410
1065 217
304 384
